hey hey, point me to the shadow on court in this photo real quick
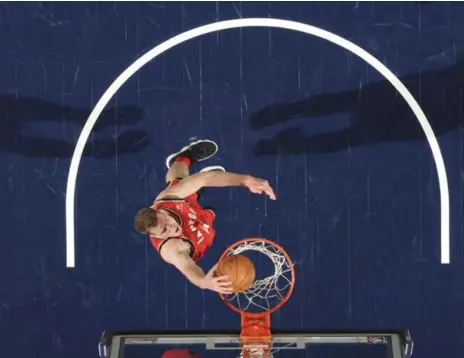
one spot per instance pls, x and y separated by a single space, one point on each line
19 119
377 114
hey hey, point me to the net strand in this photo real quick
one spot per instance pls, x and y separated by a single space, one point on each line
263 294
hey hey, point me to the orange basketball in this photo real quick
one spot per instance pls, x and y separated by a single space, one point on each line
240 270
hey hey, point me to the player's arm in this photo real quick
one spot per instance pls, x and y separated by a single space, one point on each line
197 181
173 252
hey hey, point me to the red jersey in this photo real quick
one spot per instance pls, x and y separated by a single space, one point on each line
196 223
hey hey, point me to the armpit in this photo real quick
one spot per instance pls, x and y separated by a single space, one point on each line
178 244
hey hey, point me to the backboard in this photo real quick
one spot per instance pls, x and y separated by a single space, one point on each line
256 339
336 344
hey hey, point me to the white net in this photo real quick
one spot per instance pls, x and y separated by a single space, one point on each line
272 289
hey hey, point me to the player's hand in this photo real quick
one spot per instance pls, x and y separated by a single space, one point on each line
219 284
259 186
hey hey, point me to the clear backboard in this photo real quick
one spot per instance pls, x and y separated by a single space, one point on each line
366 344
271 289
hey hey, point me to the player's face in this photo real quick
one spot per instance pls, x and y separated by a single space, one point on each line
166 227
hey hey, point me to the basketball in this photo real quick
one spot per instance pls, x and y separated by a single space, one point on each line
240 270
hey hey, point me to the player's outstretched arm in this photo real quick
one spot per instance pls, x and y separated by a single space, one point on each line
197 181
174 253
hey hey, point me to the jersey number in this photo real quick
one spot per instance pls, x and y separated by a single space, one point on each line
192 221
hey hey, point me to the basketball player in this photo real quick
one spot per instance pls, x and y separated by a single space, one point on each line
178 227
179 353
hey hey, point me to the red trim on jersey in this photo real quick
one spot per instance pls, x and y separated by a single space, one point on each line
196 223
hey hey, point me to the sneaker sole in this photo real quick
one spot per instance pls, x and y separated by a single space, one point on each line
213 168
168 159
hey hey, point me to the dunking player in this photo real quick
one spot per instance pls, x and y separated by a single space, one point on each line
179 228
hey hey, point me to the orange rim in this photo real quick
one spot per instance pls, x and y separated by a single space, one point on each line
290 289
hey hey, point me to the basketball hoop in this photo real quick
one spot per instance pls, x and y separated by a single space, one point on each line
264 297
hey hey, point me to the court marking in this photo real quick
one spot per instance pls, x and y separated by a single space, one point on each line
256 22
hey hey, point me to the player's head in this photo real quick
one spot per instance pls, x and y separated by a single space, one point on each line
179 353
156 223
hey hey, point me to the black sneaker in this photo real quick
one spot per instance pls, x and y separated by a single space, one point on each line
196 151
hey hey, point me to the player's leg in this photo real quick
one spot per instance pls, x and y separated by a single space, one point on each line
178 170
178 163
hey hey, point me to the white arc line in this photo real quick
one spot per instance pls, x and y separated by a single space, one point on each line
256 22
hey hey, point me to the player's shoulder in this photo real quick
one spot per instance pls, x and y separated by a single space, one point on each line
168 198
166 201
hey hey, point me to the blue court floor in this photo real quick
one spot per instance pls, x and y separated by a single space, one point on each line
358 206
